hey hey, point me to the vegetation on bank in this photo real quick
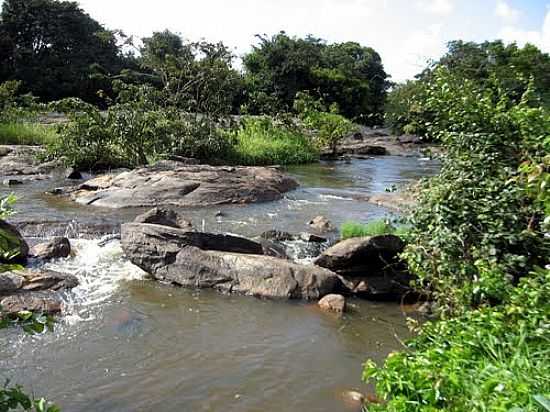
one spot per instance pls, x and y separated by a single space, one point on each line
479 248
22 133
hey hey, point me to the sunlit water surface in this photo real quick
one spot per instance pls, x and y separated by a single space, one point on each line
130 344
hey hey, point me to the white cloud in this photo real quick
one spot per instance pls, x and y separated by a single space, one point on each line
540 38
506 12
439 7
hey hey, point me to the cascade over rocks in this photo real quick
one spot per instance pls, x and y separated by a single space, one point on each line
178 184
58 247
223 262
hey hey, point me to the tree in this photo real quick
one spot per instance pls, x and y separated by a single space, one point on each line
347 74
197 77
56 49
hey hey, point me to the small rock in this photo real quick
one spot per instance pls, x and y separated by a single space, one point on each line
321 224
219 213
58 247
164 217
333 303
73 174
12 182
10 282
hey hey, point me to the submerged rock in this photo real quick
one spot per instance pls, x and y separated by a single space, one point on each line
183 186
58 247
222 262
333 303
13 243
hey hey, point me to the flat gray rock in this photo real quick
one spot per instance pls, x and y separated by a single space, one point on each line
183 186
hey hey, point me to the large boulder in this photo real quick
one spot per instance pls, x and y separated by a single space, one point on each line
154 246
183 185
57 247
361 256
368 266
13 247
222 262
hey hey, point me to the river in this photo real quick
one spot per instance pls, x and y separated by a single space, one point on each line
129 344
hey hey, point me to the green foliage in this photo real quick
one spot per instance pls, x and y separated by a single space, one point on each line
404 108
478 245
6 206
327 126
263 141
30 322
408 106
13 398
56 50
372 228
489 359
134 133
461 248
347 74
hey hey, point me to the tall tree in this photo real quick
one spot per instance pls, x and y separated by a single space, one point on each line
56 49
348 74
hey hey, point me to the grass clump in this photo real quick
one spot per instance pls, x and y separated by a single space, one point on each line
261 141
22 133
373 228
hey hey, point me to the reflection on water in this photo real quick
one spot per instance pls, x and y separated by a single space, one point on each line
130 344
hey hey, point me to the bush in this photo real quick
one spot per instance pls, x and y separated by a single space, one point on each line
478 243
131 134
490 359
325 124
263 141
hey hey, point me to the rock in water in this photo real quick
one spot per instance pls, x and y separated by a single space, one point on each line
58 247
321 224
12 245
333 303
10 282
33 302
223 262
361 255
368 265
183 186
73 174
164 217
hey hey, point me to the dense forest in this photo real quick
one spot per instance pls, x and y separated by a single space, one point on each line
478 238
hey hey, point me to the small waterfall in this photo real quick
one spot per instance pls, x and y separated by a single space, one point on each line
99 266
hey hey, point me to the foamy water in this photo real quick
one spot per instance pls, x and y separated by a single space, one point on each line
100 268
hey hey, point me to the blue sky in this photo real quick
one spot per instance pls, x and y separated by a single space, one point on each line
405 32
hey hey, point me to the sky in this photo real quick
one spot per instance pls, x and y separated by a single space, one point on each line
406 33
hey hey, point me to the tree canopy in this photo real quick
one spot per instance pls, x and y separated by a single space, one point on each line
348 74
55 49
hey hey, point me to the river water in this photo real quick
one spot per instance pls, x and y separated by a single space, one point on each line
130 344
